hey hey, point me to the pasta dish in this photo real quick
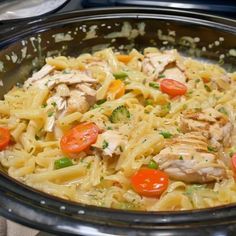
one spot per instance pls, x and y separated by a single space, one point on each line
150 131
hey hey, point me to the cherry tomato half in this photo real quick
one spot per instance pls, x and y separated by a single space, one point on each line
4 137
79 138
233 161
149 182
172 87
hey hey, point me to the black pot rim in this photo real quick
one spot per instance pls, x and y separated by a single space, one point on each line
39 210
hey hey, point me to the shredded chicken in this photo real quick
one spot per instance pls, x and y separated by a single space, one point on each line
156 63
54 105
175 73
109 143
44 71
211 123
77 102
188 159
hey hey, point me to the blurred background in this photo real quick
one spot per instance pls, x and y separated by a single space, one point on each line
15 9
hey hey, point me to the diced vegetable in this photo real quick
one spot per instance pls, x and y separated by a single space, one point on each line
99 102
208 89
79 138
152 165
166 134
233 161
149 182
121 113
211 149
124 58
62 163
172 87
116 89
154 85
222 110
4 137
148 102
120 75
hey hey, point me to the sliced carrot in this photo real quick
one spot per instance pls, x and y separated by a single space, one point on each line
116 89
4 137
124 58
79 138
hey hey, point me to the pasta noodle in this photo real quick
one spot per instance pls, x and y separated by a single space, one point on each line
136 120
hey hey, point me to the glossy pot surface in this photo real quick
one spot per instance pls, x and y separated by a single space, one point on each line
22 51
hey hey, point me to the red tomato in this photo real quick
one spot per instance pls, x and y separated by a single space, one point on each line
172 87
4 137
79 138
233 161
149 182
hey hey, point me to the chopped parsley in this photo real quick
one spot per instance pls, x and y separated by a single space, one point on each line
50 113
99 102
105 144
154 85
44 105
211 149
207 88
166 134
149 102
192 188
222 110
54 104
89 165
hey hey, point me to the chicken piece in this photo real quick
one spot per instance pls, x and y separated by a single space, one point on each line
186 158
63 90
54 104
155 63
175 73
71 78
211 123
77 102
109 143
86 89
90 93
44 71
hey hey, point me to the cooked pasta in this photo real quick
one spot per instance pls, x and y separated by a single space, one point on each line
151 131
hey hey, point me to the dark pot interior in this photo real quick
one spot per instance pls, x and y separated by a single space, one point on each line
201 36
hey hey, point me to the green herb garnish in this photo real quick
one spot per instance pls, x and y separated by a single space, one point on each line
54 104
99 102
222 110
207 88
50 113
148 102
105 144
211 149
